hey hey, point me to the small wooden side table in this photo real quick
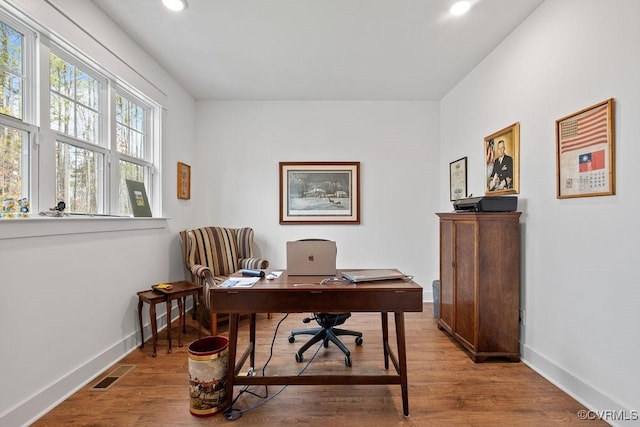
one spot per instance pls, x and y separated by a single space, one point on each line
180 291
152 298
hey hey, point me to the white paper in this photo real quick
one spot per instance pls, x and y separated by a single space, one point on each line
239 282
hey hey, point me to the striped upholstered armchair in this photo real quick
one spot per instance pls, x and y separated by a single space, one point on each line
211 254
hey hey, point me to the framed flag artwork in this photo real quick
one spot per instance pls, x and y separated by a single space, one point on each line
585 152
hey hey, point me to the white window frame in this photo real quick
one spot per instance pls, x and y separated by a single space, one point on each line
41 140
29 104
150 148
29 149
102 145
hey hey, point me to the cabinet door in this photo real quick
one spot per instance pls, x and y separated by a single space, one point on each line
446 275
499 286
465 283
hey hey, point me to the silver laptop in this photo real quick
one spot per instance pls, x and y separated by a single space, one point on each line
311 258
358 276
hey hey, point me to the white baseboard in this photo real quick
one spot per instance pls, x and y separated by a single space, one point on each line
584 393
427 296
42 402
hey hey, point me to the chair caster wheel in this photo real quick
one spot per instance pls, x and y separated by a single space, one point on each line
326 344
298 358
347 361
292 339
359 340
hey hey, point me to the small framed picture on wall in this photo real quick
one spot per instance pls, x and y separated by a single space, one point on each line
458 179
184 181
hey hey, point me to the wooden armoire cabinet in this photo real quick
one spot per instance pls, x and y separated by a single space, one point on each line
480 282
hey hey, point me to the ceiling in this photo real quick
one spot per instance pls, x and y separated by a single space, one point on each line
318 49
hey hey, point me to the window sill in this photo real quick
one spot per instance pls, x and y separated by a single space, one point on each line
40 226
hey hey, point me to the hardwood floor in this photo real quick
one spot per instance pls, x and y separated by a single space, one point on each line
445 387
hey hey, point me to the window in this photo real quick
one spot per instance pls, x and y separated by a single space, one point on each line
14 135
14 163
75 114
95 131
11 71
134 153
75 101
77 178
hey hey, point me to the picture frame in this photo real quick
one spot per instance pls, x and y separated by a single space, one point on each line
502 161
319 192
184 181
458 179
585 152
138 198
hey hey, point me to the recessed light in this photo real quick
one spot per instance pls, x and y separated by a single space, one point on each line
460 8
175 5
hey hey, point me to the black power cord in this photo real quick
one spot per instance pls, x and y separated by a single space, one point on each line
234 414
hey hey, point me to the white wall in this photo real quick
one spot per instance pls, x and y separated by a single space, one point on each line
69 302
68 305
396 144
580 287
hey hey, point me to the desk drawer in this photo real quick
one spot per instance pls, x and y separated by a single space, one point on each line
314 300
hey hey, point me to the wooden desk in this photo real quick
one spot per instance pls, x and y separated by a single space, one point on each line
296 294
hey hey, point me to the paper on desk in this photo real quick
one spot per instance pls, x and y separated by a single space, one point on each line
239 282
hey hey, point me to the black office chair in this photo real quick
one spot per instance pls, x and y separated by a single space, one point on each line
325 333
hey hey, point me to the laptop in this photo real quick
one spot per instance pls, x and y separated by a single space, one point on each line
311 258
358 276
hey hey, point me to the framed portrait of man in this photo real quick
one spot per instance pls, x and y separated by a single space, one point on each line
502 161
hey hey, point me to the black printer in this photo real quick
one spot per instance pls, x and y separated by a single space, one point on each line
486 204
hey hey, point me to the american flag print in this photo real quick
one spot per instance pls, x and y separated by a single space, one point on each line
585 130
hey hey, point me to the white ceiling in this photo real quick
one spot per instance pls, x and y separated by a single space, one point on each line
318 49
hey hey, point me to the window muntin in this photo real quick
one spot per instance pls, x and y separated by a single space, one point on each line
11 71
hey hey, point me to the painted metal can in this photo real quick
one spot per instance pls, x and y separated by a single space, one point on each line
208 362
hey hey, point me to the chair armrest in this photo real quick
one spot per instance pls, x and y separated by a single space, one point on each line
253 263
202 273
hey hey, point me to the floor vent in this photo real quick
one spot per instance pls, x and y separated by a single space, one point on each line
112 377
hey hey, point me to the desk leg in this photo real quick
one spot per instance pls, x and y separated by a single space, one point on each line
154 326
252 339
233 347
181 321
169 323
140 303
402 361
385 338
